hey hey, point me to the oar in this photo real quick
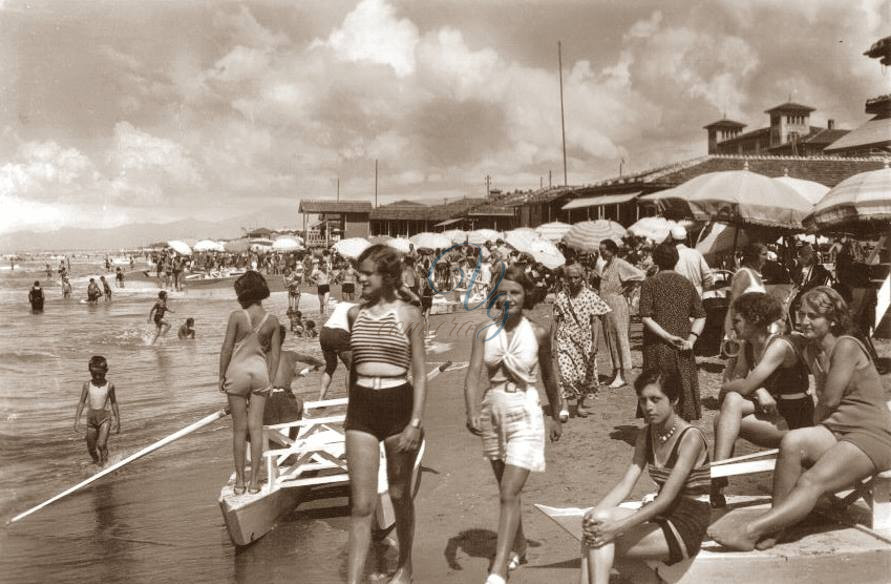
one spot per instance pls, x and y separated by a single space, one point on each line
160 443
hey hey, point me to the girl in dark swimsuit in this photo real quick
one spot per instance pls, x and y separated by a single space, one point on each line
672 527
765 394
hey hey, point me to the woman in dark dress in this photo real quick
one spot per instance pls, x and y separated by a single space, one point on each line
673 318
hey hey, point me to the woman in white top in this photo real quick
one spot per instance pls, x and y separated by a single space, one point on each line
509 419
335 341
746 279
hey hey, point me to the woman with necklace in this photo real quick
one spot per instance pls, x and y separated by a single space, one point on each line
387 343
509 419
850 441
765 394
673 318
671 527
616 279
577 310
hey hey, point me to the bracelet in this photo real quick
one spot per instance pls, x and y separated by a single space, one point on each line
695 334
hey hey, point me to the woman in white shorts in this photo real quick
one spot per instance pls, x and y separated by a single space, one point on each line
509 418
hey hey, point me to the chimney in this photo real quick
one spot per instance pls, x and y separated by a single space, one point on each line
830 123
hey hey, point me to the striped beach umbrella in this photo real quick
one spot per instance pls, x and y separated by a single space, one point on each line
553 231
587 235
863 200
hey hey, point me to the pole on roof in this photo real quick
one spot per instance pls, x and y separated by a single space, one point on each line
375 183
338 189
562 117
550 183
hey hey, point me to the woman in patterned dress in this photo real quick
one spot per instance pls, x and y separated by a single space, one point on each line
576 309
673 318
616 277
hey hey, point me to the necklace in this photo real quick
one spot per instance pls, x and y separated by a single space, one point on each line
663 438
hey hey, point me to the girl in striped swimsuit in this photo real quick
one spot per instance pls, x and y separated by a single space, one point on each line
387 341
670 528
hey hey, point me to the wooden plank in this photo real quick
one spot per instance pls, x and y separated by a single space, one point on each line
326 480
773 452
743 468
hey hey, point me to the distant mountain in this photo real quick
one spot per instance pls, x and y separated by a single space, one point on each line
141 234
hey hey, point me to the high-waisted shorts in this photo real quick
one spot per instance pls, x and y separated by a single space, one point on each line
379 412
513 429
335 343
324 289
798 413
684 527
348 288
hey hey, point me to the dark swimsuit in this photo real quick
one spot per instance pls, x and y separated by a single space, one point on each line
685 522
788 386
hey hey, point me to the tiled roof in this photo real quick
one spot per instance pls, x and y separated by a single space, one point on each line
876 132
790 106
330 206
725 123
746 135
823 135
491 211
881 49
822 169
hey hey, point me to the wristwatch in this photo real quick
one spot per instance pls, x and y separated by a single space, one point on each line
415 423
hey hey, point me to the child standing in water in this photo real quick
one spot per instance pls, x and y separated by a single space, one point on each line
106 288
248 364
66 287
187 331
156 314
99 394
36 298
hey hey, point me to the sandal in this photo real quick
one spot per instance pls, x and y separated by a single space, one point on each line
252 491
238 491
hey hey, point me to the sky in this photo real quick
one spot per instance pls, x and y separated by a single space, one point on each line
129 111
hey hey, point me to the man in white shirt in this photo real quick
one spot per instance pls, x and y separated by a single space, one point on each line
691 264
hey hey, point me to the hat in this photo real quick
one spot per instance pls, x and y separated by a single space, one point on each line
678 233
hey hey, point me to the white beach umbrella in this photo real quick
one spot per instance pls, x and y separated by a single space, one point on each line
546 253
286 244
352 247
401 244
456 235
810 190
180 247
481 236
720 238
521 239
553 231
655 228
432 241
208 245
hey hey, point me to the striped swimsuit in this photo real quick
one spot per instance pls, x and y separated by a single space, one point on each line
380 339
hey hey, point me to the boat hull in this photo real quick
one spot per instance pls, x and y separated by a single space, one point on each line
250 517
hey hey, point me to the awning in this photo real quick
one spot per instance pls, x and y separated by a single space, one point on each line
448 222
600 201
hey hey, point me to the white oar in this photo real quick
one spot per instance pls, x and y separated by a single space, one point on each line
160 443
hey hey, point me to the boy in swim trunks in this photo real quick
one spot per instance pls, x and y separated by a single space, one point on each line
282 405
93 292
156 314
97 395
106 288
66 287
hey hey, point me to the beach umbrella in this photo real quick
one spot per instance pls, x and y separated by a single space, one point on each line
481 236
429 240
740 197
587 235
208 245
810 190
352 247
376 239
656 228
553 231
521 239
456 235
286 244
720 238
546 253
180 247
859 201
237 245
401 244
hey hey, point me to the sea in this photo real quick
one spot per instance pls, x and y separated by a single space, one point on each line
157 519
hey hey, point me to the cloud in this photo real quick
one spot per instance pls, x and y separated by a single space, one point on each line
373 33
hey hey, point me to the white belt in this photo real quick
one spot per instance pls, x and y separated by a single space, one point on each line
380 382
510 387
788 396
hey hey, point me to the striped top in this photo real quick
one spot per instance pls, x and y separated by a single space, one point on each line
698 481
380 339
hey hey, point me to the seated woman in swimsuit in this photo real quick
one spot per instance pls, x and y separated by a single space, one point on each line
248 362
852 436
672 527
509 419
765 394
387 342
